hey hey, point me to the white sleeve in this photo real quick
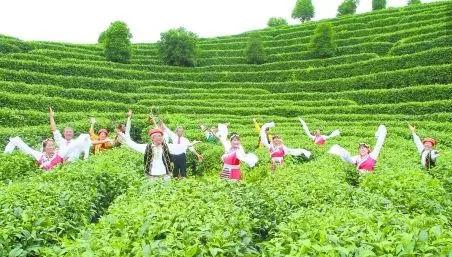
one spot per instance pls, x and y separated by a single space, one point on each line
297 151
79 145
226 144
306 129
128 126
222 131
170 133
341 152
141 148
381 136
263 136
333 134
418 143
250 159
434 154
222 135
190 146
17 142
58 138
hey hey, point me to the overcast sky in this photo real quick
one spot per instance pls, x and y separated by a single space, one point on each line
81 21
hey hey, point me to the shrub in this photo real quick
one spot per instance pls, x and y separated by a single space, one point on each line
347 7
178 47
117 42
255 53
322 43
275 22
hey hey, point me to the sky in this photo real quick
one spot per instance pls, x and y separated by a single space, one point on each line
81 21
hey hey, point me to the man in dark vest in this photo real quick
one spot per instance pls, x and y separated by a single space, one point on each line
425 149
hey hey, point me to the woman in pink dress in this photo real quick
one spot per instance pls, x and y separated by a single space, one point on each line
317 137
366 159
234 155
277 148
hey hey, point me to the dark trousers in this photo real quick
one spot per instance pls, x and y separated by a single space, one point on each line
180 165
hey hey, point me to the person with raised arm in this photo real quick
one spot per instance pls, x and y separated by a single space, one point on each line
65 140
366 159
49 157
210 133
316 136
234 154
277 148
100 141
268 136
157 160
178 149
426 149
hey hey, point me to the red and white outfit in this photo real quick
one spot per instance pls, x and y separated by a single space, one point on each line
277 153
233 156
45 162
318 140
363 163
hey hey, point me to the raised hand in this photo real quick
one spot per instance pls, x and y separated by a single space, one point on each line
51 113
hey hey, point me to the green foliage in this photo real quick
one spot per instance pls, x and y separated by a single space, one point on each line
378 4
412 2
276 22
303 10
347 7
323 43
116 40
178 47
10 45
37 212
255 52
390 66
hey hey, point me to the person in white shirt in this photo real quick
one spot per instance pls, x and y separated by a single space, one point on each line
178 150
65 141
425 149
317 137
157 160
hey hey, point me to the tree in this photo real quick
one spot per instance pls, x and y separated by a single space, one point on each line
347 7
378 4
304 10
255 52
116 40
322 43
275 21
178 47
410 2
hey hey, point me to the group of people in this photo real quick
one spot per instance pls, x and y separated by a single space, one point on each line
166 152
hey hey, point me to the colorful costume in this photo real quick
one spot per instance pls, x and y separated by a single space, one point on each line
318 139
233 156
277 153
363 163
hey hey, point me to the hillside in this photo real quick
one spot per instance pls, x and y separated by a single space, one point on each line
392 67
